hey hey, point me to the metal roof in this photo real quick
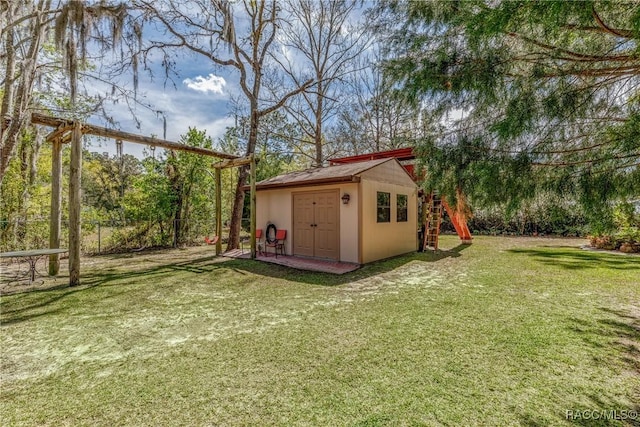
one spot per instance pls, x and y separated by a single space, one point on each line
398 153
316 176
405 156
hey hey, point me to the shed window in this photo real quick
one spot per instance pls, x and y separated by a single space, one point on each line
384 207
401 213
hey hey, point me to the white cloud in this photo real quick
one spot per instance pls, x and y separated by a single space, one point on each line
211 83
183 107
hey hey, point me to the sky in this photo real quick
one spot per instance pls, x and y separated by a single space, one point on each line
198 97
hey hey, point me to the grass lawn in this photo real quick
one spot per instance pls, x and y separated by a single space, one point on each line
507 331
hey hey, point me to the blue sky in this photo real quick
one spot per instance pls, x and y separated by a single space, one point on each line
198 97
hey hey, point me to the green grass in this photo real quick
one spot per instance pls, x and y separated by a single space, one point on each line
502 332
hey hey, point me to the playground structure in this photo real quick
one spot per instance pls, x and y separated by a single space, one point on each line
432 204
71 132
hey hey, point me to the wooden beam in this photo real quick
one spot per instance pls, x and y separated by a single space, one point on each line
75 171
56 134
88 129
219 211
241 161
252 227
55 215
66 138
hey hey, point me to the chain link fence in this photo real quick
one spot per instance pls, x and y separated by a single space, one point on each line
100 237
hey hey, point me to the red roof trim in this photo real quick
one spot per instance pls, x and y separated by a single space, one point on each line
399 153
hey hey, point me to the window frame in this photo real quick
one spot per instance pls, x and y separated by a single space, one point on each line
383 208
404 209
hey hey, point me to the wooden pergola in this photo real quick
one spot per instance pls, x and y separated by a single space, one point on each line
71 131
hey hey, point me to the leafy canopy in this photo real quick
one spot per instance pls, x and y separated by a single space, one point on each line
547 92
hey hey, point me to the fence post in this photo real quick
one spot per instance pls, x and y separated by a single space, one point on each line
252 221
218 211
99 232
175 233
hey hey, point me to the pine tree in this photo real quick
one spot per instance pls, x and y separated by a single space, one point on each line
547 93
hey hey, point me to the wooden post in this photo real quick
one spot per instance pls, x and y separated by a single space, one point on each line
75 205
54 218
252 172
218 211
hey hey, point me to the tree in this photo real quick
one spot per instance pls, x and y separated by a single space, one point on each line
525 96
374 119
25 194
187 177
105 181
321 43
23 29
41 42
211 30
167 197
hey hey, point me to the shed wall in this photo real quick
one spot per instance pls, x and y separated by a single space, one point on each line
390 172
386 239
275 206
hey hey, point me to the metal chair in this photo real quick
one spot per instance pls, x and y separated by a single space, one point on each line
258 241
278 243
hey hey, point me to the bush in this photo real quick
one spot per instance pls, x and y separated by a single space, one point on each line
547 214
626 236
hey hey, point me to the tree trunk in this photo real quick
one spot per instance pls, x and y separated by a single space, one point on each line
243 173
7 96
177 219
75 177
176 188
19 100
238 207
318 127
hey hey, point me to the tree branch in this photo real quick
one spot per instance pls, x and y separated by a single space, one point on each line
627 34
284 99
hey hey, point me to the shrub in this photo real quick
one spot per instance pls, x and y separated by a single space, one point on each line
546 214
626 236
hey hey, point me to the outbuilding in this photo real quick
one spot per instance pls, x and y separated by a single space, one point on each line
357 212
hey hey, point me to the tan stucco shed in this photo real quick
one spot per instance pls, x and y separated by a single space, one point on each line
379 219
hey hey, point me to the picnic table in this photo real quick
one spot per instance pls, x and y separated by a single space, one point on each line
31 256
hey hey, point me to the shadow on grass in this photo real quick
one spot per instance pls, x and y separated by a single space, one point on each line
37 303
211 264
626 327
31 304
328 279
572 258
620 330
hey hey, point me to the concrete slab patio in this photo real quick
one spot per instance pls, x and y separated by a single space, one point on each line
299 263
